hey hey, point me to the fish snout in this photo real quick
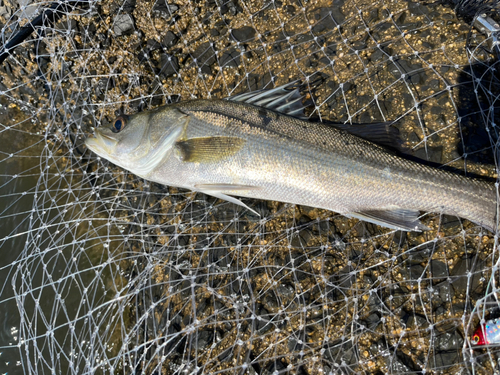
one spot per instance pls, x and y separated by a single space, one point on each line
101 141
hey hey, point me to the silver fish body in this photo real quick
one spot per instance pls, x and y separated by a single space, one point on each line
225 148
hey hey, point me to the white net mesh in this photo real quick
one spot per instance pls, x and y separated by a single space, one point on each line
105 272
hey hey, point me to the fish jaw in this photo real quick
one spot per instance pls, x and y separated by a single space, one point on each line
102 144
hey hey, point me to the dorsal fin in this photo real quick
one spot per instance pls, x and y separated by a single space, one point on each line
288 100
285 99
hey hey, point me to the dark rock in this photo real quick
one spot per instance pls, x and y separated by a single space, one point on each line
170 39
123 24
205 69
163 9
129 6
169 65
448 341
438 269
466 275
152 45
230 58
414 138
328 19
204 339
417 322
343 353
450 222
243 34
230 8
204 54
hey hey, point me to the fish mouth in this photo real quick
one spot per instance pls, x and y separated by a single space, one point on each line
101 142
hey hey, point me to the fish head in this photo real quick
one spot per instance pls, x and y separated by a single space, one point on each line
479 336
139 142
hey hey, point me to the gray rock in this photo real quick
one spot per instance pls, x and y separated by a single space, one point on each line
244 34
449 341
170 39
231 58
466 274
123 24
438 269
417 322
169 65
204 54
152 45
163 9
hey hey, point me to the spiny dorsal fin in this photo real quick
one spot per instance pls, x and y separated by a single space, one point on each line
285 99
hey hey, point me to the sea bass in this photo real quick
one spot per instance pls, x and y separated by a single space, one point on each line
254 145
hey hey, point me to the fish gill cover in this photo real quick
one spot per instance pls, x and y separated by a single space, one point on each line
104 272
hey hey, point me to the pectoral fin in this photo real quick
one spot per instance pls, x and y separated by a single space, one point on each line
218 194
399 219
208 149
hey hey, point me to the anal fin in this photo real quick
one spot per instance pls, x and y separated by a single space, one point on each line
398 219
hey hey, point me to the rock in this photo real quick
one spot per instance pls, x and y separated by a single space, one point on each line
466 275
204 54
169 65
163 9
438 269
123 24
244 34
152 45
170 39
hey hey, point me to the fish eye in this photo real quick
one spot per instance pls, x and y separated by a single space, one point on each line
120 123
475 339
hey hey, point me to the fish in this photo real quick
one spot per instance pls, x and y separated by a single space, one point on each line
261 145
487 333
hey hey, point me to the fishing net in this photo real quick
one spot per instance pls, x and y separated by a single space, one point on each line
104 272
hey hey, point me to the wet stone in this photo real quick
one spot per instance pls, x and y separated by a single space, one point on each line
230 58
152 45
244 34
203 339
417 322
170 39
230 8
328 19
451 223
449 341
163 9
123 24
445 291
169 65
204 54
465 275
438 269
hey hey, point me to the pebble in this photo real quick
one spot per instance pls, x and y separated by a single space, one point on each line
244 34
169 65
163 9
170 39
123 24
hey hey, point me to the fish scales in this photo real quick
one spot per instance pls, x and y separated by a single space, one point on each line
317 165
286 159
